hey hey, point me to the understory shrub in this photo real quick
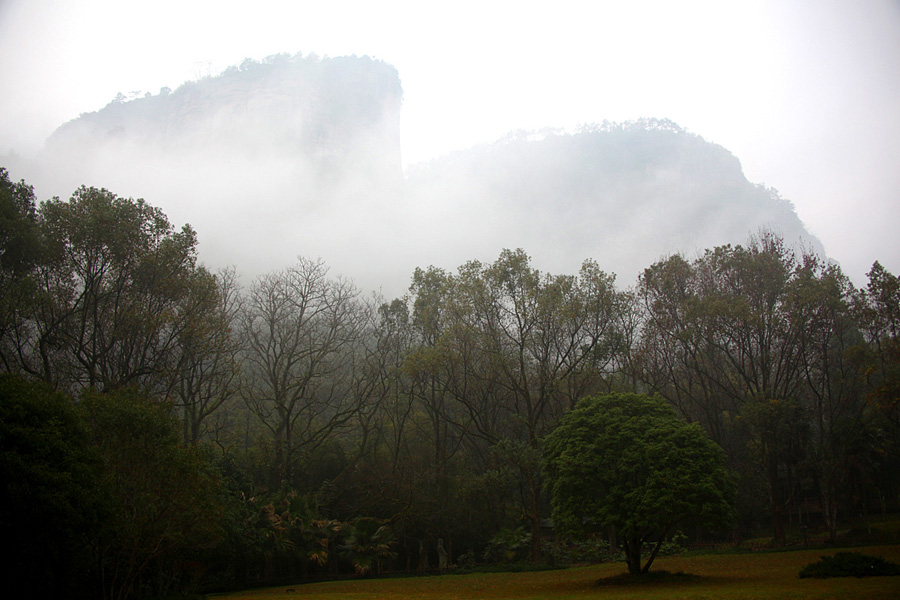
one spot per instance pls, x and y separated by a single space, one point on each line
508 546
849 564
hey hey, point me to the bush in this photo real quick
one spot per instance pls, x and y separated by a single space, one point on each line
571 552
849 564
508 546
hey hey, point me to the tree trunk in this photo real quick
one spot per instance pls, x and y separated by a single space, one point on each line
632 546
534 489
656 548
778 526
279 474
535 538
829 506
775 495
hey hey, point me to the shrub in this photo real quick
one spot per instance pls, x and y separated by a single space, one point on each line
508 546
849 564
570 552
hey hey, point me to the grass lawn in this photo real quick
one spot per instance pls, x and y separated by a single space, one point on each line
728 576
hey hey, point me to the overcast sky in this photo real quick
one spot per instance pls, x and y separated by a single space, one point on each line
805 93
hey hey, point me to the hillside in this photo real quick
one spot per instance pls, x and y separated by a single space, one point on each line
301 156
624 194
334 111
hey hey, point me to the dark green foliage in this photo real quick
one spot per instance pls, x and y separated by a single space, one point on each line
119 284
368 542
878 308
98 497
753 342
47 501
508 546
98 290
161 502
849 564
19 244
19 252
627 460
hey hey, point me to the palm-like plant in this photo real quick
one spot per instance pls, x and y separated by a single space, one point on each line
292 528
369 540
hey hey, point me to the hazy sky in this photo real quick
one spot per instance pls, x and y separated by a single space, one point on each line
805 93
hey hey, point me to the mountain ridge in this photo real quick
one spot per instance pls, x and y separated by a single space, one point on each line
301 156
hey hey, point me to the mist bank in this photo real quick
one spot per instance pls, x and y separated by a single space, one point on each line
300 156
622 194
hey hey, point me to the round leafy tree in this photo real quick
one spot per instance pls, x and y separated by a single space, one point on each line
629 461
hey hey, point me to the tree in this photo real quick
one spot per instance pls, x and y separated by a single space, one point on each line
48 500
112 292
160 502
98 498
367 543
835 399
301 334
18 227
19 253
206 373
514 348
878 309
727 338
629 461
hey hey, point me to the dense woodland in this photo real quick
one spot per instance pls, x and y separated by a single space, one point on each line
164 427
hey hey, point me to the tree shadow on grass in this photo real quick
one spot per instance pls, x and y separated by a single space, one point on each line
652 578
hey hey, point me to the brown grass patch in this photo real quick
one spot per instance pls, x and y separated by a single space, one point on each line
754 576
651 578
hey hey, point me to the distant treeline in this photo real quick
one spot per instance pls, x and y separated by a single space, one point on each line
164 429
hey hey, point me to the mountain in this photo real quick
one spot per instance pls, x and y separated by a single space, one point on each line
269 160
301 156
336 112
623 194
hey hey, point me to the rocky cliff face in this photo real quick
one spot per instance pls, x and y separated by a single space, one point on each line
338 114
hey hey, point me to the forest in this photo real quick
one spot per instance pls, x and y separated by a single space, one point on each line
166 428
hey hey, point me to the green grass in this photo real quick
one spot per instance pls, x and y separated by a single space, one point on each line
711 576
863 531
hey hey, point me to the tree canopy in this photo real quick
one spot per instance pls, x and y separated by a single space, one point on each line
323 432
629 461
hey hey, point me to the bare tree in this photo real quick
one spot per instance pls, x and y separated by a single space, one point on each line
206 375
302 334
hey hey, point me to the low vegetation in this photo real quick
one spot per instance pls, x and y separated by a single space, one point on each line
731 576
850 564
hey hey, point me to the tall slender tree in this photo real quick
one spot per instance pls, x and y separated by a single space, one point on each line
727 342
19 255
517 350
301 332
205 376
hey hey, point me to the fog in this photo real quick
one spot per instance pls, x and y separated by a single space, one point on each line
805 94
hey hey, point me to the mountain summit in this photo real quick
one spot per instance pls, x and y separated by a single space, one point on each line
624 194
301 156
